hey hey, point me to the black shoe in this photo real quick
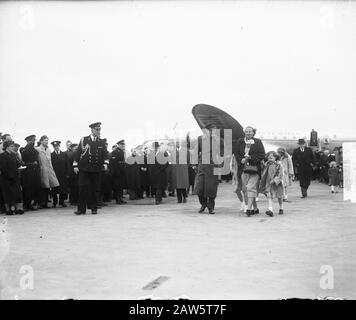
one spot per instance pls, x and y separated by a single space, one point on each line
211 211
94 212
269 213
10 213
185 200
179 201
202 208
280 211
19 211
79 213
123 201
158 202
256 211
249 213
54 205
63 205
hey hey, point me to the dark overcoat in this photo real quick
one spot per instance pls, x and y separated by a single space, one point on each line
118 170
133 174
304 161
206 181
256 152
31 178
60 165
10 178
158 173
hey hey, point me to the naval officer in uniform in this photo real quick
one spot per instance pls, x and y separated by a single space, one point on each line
90 158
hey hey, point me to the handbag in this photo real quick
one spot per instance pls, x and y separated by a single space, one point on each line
250 169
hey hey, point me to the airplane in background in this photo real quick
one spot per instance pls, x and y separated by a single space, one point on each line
208 115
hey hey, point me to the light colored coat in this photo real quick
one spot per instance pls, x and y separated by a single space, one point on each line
288 170
179 173
48 176
272 180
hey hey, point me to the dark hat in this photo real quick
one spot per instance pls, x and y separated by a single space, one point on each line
30 137
55 143
7 144
95 124
17 145
73 145
105 140
121 142
301 141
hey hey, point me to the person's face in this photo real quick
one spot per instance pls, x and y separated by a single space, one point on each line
32 141
75 148
44 142
122 146
271 157
7 138
302 145
11 149
56 148
249 133
68 145
96 131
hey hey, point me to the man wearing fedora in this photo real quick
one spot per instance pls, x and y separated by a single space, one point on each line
304 160
90 158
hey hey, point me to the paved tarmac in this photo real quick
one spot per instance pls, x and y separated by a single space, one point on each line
119 252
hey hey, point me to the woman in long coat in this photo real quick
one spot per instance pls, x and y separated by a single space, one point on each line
48 176
180 174
10 179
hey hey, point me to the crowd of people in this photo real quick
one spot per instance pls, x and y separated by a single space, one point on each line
88 176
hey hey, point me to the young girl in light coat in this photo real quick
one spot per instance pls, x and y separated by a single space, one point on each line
272 182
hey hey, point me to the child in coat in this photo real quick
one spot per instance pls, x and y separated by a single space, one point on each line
333 173
272 182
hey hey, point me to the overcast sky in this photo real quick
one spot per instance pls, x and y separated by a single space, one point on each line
140 67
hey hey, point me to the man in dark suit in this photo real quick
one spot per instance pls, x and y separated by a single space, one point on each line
304 160
91 157
60 165
118 171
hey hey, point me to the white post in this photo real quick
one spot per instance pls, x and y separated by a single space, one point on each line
349 167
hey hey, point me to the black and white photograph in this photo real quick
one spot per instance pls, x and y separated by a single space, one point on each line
177 150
